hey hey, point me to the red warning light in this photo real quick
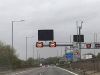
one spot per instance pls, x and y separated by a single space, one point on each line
88 45
52 44
39 44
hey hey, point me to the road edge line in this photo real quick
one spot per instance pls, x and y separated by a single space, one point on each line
67 70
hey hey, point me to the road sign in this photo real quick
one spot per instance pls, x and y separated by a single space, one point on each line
78 38
39 44
88 45
76 52
45 35
69 56
52 44
97 45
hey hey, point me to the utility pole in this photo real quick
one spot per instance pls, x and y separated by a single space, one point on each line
77 33
80 27
77 26
95 41
61 51
12 34
33 51
96 37
70 42
26 48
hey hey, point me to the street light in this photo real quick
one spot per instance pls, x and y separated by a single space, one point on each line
13 30
26 47
12 42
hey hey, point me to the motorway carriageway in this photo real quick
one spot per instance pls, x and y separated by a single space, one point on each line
51 70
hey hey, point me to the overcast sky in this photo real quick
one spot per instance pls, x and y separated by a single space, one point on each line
60 15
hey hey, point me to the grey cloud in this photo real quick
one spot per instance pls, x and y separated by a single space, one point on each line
59 15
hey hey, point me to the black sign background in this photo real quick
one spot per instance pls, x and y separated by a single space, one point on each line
77 39
45 35
97 45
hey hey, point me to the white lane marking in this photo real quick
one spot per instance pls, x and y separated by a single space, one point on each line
67 71
21 72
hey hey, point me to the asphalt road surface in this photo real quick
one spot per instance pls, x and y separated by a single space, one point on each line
45 71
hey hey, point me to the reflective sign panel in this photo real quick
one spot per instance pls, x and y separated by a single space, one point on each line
52 44
97 45
88 45
69 55
39 44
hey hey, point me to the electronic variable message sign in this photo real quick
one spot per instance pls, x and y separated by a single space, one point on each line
45 35
78 38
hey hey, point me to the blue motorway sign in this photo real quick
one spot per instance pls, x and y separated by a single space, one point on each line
69 56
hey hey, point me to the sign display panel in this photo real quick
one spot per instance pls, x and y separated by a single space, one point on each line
52 44
39 44
69 54
97 45
77 38
88 45
45 35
